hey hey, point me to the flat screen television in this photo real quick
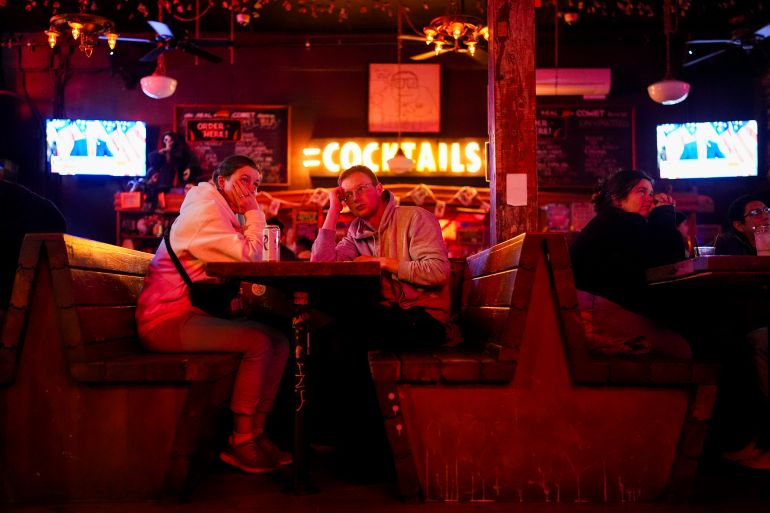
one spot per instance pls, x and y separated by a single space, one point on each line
97 147
710 149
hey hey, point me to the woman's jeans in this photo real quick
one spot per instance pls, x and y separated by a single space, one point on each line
264 349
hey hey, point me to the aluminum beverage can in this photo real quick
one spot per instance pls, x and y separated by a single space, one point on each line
271 243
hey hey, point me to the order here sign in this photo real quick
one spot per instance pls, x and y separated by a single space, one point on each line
199 130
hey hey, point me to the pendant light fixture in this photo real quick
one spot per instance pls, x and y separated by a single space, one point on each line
668 91
400 163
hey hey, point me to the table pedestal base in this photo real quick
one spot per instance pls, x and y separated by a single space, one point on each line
300 482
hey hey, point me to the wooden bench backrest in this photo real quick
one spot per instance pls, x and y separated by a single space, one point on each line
565 295
12 330
497 287
96 286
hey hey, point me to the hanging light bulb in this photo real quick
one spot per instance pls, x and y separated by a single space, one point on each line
439 45
430 34
75 26
112 39
52 35
457 28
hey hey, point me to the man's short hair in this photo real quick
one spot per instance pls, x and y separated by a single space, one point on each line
358 169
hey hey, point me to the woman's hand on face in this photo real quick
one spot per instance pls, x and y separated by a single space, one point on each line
243 199
661 199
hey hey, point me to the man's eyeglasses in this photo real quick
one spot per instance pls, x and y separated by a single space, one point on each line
756 212
347 196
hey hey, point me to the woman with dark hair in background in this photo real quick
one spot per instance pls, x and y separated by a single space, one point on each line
634 230
174 165
208 230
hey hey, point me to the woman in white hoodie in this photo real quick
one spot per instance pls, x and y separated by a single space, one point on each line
208 230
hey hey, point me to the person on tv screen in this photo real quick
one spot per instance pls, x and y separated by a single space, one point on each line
701 146
88 142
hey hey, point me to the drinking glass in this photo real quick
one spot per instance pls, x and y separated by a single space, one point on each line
762 239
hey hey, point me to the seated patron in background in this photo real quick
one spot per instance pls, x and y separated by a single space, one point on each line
208 230
173 165
21 212
743 215
302 248
746 393
634 230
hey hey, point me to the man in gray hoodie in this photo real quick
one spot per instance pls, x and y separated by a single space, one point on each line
411 313
414 305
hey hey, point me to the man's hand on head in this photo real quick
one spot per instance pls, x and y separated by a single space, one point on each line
335 199
386 263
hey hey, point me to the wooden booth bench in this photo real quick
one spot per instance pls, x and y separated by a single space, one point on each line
87 413
529 414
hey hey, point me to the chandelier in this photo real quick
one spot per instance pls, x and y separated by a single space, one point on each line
458 30
85 28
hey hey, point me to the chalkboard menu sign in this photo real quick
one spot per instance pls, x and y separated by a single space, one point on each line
578 145
261 132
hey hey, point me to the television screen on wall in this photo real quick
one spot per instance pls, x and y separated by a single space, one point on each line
710 149
97 147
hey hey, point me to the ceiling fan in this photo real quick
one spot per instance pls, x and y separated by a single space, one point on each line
745 42
479 54
165 40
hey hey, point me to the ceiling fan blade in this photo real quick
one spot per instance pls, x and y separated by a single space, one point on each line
153 54
713 42
408 37
161 28
131 39
425 55
203 54
763 33
703 58
212 42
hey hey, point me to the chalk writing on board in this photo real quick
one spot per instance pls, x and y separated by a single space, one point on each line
263 135
576 146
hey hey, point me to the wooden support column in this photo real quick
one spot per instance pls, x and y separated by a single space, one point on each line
511 111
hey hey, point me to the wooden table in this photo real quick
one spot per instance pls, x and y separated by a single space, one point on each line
719 289
713 271
708 287
337 282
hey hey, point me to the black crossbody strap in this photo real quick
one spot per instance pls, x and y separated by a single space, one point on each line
176 261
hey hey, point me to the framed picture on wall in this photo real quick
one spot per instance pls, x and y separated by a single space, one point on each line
404 98
261 132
